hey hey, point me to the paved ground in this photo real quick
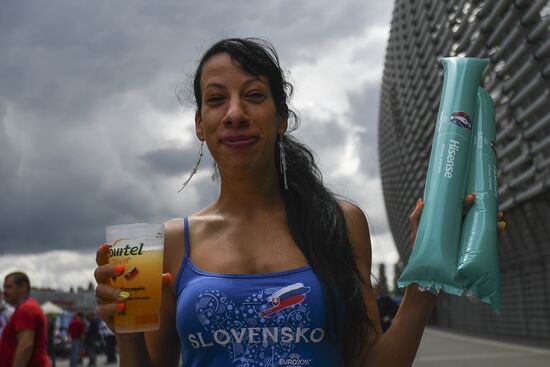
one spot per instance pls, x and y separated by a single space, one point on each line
446 349
101 362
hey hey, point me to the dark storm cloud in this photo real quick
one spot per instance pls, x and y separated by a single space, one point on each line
364 112
69 55
169 161
361 119
82 85
329 135
9 157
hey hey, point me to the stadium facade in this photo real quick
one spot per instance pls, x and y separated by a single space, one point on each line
515 36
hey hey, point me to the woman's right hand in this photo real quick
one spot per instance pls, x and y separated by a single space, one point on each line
110 300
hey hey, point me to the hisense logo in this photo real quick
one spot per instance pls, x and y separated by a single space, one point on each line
451 155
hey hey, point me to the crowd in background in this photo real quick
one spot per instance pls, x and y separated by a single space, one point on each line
80 337
60 335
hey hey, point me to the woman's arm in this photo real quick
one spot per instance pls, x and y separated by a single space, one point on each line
164 344
132 350
398 346
131 346
154 348
359 236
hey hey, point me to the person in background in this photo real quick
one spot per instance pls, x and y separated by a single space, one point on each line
77 329
51 338
387 307
5 313
109 339
92 338
25 337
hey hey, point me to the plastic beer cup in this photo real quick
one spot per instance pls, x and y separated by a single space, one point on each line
139 247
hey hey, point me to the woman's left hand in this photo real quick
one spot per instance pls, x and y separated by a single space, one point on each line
414 218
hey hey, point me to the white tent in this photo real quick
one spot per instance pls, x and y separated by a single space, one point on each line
50 308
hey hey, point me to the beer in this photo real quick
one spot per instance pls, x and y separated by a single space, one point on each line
139 247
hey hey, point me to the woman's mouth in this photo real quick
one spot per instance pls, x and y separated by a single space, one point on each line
238 141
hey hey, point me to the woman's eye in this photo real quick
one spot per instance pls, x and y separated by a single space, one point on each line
256 96
214 99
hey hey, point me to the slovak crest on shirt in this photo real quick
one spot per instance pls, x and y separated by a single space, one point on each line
261 331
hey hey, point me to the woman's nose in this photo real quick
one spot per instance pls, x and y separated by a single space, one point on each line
236 114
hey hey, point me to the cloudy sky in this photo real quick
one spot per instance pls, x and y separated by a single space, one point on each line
92 132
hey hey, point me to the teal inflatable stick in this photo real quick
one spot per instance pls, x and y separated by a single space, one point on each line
433 261
478 266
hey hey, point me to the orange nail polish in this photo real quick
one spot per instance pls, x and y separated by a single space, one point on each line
120 306
104 247
418 202
472 195
119 268
168 277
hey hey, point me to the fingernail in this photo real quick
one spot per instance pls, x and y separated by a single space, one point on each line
119 268
104 247
500 214
123 295
472 196
418 202
168 277
120 306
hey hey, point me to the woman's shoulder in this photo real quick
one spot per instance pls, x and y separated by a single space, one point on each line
353 213
174 250
358 228
174 236
174 229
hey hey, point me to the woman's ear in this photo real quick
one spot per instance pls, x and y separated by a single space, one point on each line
199 130
283 125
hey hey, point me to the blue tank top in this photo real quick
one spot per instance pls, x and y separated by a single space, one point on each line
251 320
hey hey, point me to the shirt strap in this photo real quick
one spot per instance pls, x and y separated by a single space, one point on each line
186 236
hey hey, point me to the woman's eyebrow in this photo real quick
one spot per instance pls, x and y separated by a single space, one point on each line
214 84
245 84
254 79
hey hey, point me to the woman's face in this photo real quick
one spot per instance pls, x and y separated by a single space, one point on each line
238 119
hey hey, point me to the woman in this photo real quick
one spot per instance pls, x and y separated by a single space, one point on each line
276 271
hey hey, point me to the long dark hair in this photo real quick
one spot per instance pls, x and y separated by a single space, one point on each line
315 218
